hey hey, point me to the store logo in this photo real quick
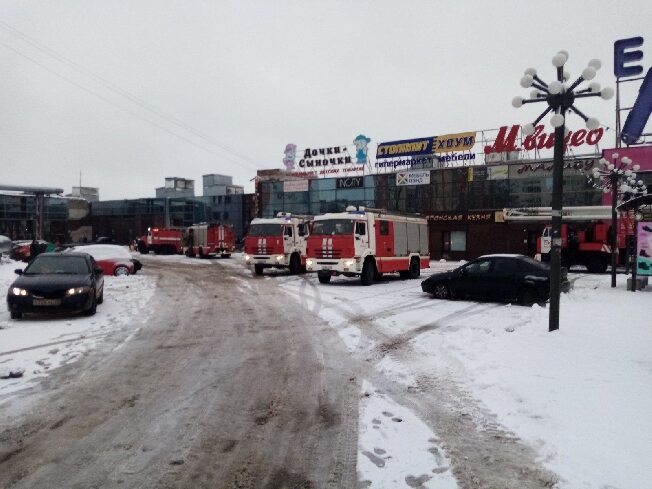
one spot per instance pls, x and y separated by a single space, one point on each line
539 140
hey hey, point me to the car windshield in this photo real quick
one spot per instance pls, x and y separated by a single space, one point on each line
333 227
265 230
535 263
60 264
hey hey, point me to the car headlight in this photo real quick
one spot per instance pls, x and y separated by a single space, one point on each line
308 263
77 290
247 258
19 291
349 263
279 258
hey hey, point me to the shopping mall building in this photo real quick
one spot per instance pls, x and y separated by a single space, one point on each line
460 182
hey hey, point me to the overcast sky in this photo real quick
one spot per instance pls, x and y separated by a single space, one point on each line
130 92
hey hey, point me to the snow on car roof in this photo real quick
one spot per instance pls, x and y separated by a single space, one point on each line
102 251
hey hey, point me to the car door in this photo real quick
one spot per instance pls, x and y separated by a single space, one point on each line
504 278
472 279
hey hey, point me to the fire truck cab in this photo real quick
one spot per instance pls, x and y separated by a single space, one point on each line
278 242
367 243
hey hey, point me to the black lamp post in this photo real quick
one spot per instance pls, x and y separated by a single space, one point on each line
560 97
619 179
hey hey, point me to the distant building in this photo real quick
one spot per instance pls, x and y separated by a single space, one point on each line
175 188
91 194
215 185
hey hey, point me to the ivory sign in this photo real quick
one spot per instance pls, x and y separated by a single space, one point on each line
412 178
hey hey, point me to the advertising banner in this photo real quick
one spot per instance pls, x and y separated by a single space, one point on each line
446 143
295 186
350 182
644 249
412 178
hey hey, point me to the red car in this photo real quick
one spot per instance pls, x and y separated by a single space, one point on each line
112 259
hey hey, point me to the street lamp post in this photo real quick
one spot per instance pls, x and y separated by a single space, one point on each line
619 179
560 97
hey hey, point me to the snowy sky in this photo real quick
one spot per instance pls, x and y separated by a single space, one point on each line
133 92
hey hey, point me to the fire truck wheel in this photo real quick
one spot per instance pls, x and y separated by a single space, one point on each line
368 272
258 269
596 264
441 291
527 296
200 252
324 278
295 264
415 268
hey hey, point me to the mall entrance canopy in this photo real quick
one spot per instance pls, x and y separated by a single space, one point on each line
39 193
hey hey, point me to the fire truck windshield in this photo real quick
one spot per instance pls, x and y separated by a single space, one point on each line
333 227
265 230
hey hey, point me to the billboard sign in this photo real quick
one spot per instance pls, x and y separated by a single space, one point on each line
644 249
446 143
412 178
295 185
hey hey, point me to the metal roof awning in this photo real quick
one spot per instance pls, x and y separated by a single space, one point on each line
636 203
31 190
544 214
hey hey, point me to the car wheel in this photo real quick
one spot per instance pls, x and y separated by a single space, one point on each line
441 291
16 315
100 299
120 270
415 268
368 272
324 278
93 309
295 264
258 269
528 296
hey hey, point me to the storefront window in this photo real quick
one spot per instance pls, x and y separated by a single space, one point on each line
454 240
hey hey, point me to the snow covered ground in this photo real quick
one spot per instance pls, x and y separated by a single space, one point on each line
38 345
581 396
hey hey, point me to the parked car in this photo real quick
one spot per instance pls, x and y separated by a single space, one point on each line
21 250
496 278
55 282
113 259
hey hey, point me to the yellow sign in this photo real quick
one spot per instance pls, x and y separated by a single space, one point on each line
450 143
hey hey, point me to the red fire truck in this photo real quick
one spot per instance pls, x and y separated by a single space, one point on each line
367 243
162 241
204 240
278 242
585 234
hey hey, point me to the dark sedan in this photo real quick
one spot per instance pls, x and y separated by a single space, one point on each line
55 282
503 278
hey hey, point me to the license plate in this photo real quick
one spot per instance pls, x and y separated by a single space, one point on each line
47 302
